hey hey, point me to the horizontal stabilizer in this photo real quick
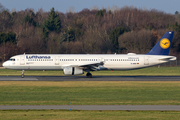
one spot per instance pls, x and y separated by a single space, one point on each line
172 58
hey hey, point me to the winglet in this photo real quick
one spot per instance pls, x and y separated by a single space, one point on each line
163 45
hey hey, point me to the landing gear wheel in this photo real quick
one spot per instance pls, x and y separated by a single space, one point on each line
22 74
89 75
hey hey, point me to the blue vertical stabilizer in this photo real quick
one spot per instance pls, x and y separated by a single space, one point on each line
163 45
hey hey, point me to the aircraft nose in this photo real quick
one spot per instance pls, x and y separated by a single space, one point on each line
4 64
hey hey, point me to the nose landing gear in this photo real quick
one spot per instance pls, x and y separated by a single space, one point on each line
22 74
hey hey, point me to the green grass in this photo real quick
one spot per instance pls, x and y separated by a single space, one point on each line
86 115
89 93
152 71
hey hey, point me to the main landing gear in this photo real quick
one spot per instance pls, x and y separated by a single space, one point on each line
89 75
22 74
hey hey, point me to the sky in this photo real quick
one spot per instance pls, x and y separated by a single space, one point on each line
167 6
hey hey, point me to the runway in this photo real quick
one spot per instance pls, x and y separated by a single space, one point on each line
94 78
93 107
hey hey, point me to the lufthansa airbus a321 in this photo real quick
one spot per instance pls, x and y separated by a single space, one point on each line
75 64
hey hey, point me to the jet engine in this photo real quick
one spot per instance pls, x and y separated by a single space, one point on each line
72 71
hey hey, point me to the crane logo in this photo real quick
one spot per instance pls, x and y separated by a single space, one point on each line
164 43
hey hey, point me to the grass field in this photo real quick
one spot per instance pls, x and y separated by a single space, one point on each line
152 71
88 115
89 93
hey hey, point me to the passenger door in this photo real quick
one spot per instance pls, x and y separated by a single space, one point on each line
146 60
22 60
57 60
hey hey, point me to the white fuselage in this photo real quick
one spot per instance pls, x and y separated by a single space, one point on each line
110 62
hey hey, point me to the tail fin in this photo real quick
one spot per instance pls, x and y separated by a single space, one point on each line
163 45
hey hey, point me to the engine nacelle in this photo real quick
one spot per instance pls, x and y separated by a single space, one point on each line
72 71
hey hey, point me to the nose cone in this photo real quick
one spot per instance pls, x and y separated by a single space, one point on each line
5 64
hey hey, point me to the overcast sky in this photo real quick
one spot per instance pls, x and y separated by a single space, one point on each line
168 6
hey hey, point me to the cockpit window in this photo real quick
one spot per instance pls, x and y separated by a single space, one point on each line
11 59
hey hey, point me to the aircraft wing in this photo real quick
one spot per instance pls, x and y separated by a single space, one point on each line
92 66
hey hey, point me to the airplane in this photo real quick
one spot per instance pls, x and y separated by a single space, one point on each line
76 64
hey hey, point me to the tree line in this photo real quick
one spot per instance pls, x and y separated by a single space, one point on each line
100 31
